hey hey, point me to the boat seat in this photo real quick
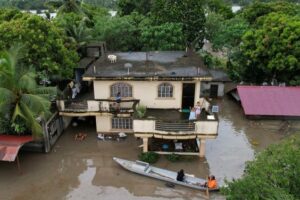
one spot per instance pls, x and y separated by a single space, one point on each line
147 169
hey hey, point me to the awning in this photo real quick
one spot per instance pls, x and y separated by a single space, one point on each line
10 146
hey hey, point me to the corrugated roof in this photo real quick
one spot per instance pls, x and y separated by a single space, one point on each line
10 146
270 100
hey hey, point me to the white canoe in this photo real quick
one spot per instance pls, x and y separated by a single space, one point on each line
145 169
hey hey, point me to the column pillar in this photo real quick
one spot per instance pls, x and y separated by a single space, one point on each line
145 144
202 148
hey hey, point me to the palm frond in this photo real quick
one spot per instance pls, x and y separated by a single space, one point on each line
5 109
27 81
7 96
6 80
17 113
38 105
31 122
45 90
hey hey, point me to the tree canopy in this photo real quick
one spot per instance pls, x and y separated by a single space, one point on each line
272 175
273 49
49 49
190 13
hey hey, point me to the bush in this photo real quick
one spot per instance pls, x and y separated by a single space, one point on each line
149 157
273 174
141 111
173 157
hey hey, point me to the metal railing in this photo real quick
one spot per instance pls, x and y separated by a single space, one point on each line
174 126
97 105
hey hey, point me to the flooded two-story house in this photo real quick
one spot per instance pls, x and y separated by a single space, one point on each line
166 83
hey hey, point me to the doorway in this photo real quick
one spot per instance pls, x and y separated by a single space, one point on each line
188 96
214 91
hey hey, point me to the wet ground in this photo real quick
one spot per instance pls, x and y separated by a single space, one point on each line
85 170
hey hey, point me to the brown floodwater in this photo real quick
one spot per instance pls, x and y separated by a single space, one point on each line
85 170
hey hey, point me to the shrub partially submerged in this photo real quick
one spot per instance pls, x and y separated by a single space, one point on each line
149 157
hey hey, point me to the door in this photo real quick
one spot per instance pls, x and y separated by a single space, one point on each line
214 91
188 95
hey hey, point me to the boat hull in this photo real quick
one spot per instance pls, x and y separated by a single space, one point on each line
145 169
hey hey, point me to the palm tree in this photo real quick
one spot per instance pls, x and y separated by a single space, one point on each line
66 6
80 33
21 99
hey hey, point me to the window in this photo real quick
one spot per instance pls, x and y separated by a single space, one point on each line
165 90
121 123
124 88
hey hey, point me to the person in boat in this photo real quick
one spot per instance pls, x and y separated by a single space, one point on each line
180 175
211 182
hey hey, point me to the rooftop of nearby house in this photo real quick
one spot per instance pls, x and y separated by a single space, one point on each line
219 75
160 64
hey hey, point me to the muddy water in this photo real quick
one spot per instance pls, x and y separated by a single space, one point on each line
85 170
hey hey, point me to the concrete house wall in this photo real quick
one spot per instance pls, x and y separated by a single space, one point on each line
147 92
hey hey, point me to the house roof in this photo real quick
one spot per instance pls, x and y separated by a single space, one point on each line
84 62
160 64
10 146
219 75
270 100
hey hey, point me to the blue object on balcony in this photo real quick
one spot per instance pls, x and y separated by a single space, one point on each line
185 110
165 146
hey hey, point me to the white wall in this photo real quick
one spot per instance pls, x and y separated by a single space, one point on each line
206 127
147 92
144 126
103 123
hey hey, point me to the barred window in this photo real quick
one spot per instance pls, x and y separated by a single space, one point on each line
121 123
165 90
124 89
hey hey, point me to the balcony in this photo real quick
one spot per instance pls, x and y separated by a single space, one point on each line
95 106
168 123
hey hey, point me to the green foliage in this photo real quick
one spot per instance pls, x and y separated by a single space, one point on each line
189 13
120 33
173 157
258 9
149 157
19 126
272 49
126 7
76 27
141 111
167 36
22 101
220 7
272 175
47 46
212 61
229 33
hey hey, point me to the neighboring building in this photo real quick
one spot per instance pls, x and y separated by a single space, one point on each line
270 101
216 86
167 83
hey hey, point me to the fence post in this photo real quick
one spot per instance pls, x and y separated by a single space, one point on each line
46 137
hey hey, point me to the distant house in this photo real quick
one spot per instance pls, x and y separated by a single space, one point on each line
216 86
168 83
270 101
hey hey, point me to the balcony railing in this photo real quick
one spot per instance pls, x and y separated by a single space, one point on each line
207 126
101 105
174 126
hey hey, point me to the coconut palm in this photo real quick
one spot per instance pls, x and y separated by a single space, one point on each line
80 33
21 99
66 6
